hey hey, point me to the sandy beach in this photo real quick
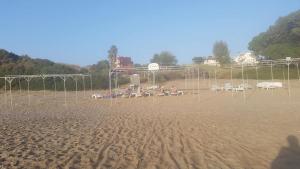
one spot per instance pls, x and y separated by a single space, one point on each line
209 130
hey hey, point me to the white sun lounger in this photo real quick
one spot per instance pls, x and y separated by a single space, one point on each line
97 96
269 85
216 88
178 93
228 87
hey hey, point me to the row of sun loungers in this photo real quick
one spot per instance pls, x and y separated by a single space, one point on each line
230 87
150 91
245 86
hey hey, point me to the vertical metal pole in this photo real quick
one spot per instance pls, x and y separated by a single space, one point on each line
91 83
244 92
116 84
247 82
231 81
148 78
11 99
83 83
54 87
298 71
65 90
203 77
283 74
44 86
153 78
185 79
192 80
198 83
5 89
76 88
110 94
289 87
216 77
28 93
20 86
272 76
216 82
188 85
256 74
116 80
209 80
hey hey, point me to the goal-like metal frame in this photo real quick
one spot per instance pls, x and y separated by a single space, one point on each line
28 78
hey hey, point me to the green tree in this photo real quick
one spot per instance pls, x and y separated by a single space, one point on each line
281 39
164 58
221 52
112 55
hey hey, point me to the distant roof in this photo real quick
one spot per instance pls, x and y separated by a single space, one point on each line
125 61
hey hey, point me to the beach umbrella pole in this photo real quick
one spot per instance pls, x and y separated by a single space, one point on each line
28 79
198 83
83 84
43 77
298 71
244 90
91 82
54 87
231 79
20 86
5 90
289 87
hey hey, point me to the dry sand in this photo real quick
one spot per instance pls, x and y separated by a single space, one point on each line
210 130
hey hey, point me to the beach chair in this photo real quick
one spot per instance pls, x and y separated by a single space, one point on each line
246 86
177 93
146 93
152 87
135 94
269 85
216 88
97 96
239 88
161 94
180 92
228 87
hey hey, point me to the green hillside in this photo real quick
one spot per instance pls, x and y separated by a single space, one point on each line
281 40
12 64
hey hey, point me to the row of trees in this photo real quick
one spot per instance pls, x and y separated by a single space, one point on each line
165 58
220 51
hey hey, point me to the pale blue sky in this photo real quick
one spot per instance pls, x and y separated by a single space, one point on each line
81 32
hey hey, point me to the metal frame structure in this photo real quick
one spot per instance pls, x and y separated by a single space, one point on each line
28 78
188 72
268 63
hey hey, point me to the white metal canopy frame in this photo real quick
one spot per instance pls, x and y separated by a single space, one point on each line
188 71
28 78
268 63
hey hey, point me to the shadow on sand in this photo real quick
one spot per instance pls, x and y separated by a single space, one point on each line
288 157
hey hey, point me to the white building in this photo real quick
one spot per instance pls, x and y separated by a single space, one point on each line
211 62
247 58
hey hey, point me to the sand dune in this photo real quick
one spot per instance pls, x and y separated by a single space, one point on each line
210 130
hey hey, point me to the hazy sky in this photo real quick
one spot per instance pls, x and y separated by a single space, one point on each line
81 32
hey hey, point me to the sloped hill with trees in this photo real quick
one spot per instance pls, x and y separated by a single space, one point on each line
13 64
281 40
